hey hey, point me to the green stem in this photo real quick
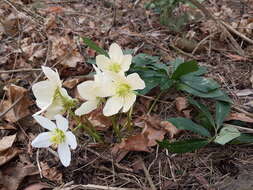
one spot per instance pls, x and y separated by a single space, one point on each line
153 104
88 127
129 120
115 126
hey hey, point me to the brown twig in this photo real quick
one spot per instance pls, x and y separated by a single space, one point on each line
208 14
146 172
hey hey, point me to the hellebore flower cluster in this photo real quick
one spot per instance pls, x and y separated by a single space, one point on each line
111 87
110 82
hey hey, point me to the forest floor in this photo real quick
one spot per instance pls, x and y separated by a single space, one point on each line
48 32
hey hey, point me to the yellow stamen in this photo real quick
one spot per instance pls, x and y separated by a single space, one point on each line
114 67
123 89
58 136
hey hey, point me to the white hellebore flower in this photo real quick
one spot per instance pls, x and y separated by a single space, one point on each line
50 96
93 92
116 63
57 135
123 92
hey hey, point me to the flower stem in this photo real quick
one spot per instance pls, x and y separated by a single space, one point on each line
116 128
153 104
87 126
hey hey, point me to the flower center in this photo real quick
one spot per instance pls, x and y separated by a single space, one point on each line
58 136
123 89
114 67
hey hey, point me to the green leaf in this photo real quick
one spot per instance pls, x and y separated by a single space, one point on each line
175 63
142 59
201 119
184 146
94 46
226 134
216 94
187 124
203 109
222 111
202 70
200 83
185 68
165 84
243 139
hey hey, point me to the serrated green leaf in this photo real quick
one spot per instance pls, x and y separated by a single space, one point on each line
202 120
216 94
202 70
200 83
222 111
94 46
227 134
243 139
185 68
187 124
175 63
184 146
203 109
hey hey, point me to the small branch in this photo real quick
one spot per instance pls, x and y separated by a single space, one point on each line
97 187
19 70
146 172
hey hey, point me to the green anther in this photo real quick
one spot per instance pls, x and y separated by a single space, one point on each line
58 136
123 89
114 67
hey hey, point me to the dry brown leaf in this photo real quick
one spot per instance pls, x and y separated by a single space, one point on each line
153 135
181 103
99 121
20 110
6 142
51 173
137 142
251 78
170 128
65 47
240 117
12 177
37 186
7 155
72 82
7 126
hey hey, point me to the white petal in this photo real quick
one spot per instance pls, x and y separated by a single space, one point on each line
61 122
64 93
53 110
135 81
71 139
53 76
43 92
102 62
87 90
128 102
87 107
64 153
126 62
42 140
115 53
45 122
112 106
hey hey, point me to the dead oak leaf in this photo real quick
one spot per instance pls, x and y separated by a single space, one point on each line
12 177
7 155
51 173
240 117
65 47
170 128
137 142
37 186
20 110
6 142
